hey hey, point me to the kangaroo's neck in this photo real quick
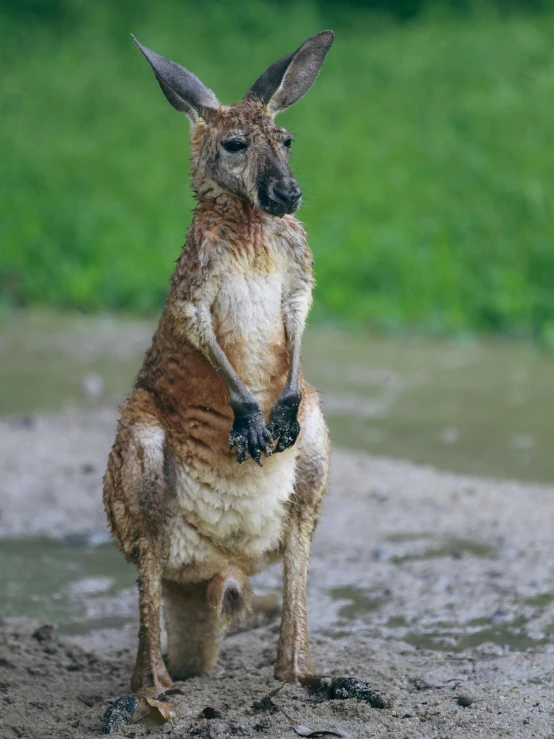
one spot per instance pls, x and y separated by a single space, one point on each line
217 206
228 207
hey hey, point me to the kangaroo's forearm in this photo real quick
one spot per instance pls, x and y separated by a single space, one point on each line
239 394
194 322
295 312
294 344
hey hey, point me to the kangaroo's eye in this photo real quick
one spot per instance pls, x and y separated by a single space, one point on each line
287 143
234 145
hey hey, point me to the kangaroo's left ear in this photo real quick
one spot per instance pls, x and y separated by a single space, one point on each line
286 81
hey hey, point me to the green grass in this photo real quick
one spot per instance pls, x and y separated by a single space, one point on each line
425 151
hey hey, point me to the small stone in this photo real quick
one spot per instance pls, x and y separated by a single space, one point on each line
44 633
210 713
465 701
119 714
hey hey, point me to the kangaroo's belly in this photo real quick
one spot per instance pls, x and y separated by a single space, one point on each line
233 514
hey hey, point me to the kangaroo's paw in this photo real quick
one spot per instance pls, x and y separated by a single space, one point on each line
342 688
283 424
249 436
119 714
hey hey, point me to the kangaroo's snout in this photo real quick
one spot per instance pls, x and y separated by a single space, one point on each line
279 196
288 193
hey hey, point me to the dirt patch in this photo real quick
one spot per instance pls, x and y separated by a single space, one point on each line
434 588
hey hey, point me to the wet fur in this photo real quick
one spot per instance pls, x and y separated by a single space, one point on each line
194 522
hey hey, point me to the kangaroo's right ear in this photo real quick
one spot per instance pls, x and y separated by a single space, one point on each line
286 81
182 88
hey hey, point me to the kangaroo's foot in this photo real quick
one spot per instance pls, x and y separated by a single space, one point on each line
150 676
293 663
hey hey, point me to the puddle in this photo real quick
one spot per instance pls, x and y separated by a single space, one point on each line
360 602
397 622
52 580
473 407
401 537
443 636
79 628
470 407
455 548
50 361
540 601
509 635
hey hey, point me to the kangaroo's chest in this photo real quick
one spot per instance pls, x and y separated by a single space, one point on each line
248 304
248 322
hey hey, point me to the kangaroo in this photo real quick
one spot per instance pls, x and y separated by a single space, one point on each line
222 454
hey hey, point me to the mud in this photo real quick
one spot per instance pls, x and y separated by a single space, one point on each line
436 589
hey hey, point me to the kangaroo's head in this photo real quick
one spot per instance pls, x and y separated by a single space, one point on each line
239 148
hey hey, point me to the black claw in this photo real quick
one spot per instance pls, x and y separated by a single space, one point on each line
243 453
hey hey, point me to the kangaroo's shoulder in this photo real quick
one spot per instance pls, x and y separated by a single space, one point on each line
294 245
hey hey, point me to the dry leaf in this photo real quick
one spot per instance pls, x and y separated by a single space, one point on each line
160 712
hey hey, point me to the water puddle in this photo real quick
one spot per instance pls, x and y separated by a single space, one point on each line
453 547
70 583
510 636
358 602
360 606
474 407
471 407
540 601
51 361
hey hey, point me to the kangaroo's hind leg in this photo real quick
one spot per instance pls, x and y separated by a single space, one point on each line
312 470
135 502
293 659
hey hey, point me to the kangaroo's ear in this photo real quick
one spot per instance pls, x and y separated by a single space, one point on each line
182 88
286 81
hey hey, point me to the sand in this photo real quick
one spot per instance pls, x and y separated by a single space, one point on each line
434 588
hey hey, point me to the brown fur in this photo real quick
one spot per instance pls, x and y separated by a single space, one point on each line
193 521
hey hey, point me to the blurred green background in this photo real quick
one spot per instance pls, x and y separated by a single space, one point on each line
424 150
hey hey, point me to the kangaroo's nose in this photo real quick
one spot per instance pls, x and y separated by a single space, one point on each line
288 193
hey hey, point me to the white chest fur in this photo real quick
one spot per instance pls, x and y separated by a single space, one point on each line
248 322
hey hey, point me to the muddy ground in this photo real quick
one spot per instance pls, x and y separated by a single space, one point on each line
436 589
